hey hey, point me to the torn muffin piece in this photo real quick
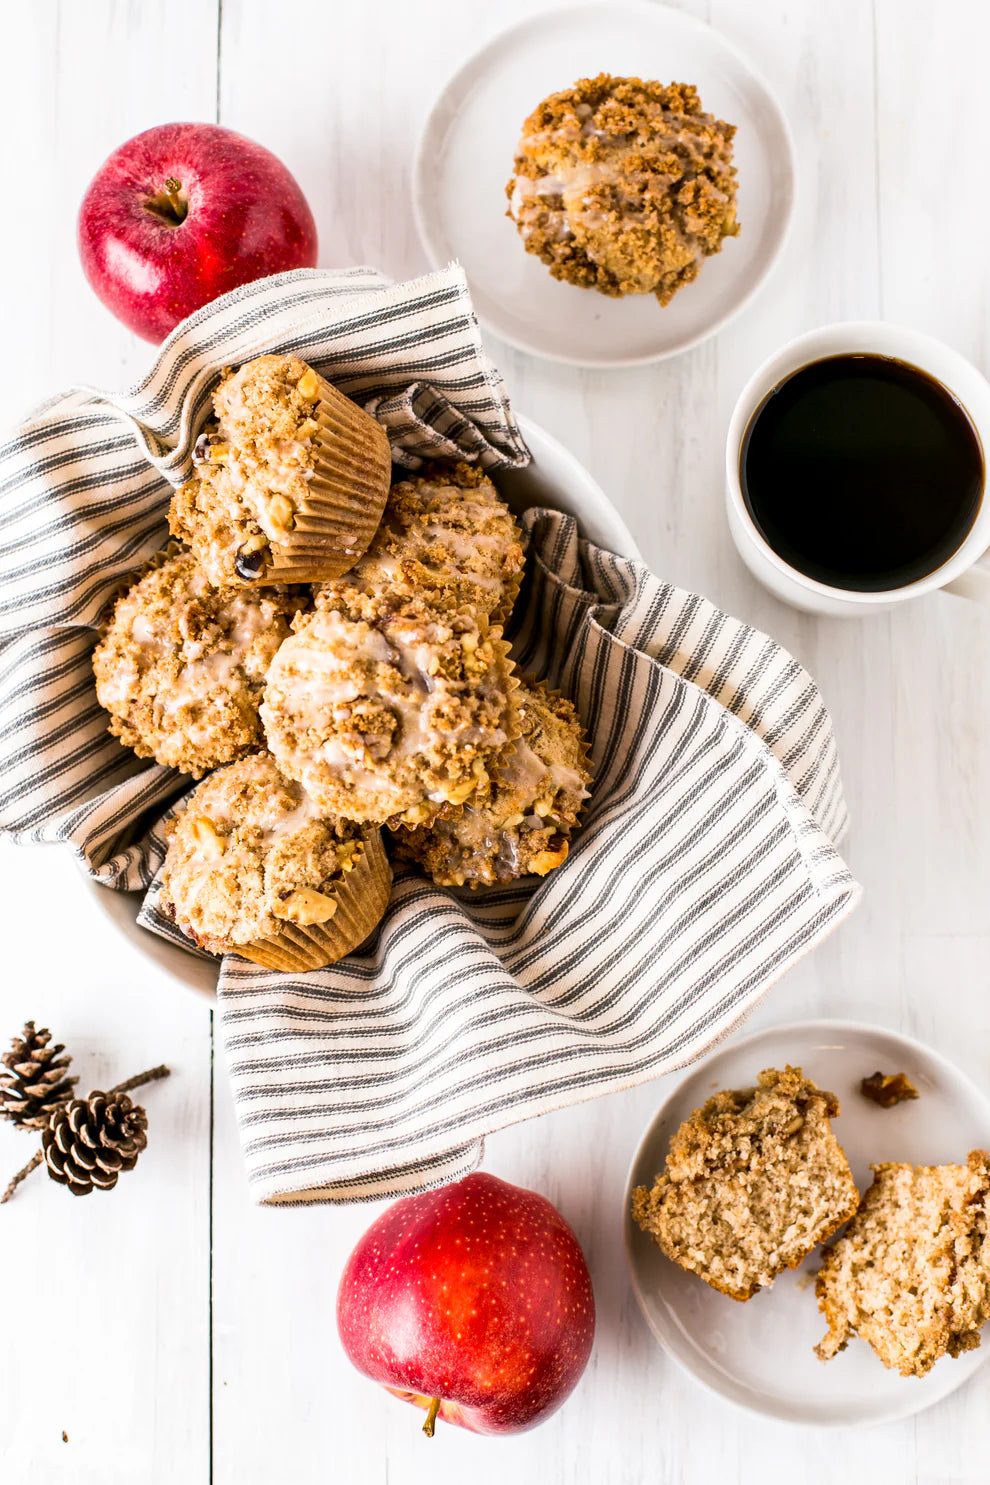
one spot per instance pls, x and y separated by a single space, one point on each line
291 479
624 186
887 1089
523 823
390 720
754 1180
255 867
446 535
181 665
911 1273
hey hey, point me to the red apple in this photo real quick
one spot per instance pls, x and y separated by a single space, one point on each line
474 1302
182 213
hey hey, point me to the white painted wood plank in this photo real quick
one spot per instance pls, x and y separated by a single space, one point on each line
106 1299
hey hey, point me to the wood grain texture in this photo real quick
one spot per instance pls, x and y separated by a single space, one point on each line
886 101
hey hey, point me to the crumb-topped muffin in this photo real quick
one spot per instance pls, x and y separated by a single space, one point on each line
253 866
181 666
391 719
911 1273
291 479
624 186
446 535
522 824
754 1179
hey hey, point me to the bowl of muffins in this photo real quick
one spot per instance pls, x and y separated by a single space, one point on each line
322 651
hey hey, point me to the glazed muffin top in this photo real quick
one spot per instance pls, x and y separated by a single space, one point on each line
181 666
521 825
251 853
445 534
391 719
624 186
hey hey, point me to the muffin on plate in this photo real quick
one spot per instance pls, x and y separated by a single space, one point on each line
624 186
291 480
911 1273
393 719
181 665
522 824
446 535
255 868
754 1180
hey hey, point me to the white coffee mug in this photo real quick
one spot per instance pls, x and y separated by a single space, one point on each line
964 572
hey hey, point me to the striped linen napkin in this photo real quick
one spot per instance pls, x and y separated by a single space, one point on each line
706 864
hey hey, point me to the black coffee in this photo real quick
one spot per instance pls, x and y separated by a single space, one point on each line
862 472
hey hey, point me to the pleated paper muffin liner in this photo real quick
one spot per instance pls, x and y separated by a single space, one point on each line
513 583
361 896
345 498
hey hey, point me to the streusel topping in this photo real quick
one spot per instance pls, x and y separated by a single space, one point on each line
182 665
624 186
392 718
251 852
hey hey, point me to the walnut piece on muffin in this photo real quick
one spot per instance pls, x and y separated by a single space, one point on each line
624 186
181 666
754 1180
911 1273
291 478
522 824
390 719
252 860
446 535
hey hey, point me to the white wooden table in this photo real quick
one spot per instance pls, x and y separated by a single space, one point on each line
172 1331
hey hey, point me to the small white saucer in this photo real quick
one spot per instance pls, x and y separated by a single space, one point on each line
466 152
759 1354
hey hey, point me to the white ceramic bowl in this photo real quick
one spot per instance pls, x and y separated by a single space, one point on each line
466 152
760 1354
555 478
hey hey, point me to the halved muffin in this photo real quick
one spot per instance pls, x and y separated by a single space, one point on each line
911 1273
754 1180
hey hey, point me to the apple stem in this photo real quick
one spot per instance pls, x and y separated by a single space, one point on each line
172 189
431 1417
169 203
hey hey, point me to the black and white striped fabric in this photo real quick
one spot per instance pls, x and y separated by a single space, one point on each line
706 864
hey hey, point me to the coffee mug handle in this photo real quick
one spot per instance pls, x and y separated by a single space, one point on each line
974 583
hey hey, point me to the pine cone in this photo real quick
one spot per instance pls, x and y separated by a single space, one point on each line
89 1141
34 1083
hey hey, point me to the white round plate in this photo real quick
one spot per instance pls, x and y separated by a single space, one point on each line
760 1354
465 157
553 478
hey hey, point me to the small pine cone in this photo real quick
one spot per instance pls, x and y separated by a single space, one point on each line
33 1080
91 1140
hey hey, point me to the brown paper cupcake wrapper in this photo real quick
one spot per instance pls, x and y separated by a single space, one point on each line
362 898
345 499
